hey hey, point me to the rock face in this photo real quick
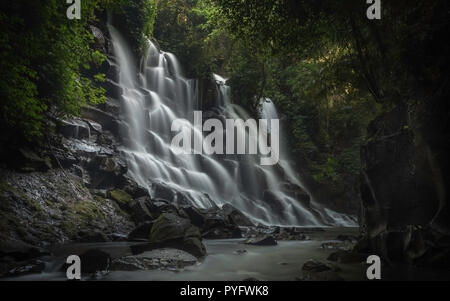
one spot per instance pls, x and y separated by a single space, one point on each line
405 210
171 230
165 258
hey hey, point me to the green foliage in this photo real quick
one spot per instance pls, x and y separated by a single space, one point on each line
186 28
328 68
140 16
43 55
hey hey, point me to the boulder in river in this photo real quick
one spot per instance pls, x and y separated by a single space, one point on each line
172 230
164 258
29 267
94 260
315 270
266 240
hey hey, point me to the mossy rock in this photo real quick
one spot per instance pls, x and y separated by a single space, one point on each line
77 216
168 227
122 198
177 232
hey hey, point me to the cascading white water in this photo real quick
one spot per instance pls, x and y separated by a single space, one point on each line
159 94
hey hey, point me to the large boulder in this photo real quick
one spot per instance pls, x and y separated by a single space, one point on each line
265 240
122 198
172 230
106 171
94 260
217 225
164 258
140 211
142 231
236 217
314 270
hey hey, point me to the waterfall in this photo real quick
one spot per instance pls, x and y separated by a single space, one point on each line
158 94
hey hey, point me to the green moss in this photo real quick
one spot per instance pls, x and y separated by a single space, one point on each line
121 197
119 210
50 204
35 206
100 200
77 216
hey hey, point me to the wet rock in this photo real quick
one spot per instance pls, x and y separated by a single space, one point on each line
160 206
194 215
140 212
142 231
74 128
113 89
273 201
122 198
221 233
94 260
219 228
98 36
29 267
291 234
106 171
95 128
240 251
235 216
108 121
112 106
217 225
133 189
266 240
164 258
320 271
300 195
161 191
172 230
118 237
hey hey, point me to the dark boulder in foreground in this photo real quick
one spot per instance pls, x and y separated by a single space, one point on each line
315 270
142 231
172 230
266 240
94 260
